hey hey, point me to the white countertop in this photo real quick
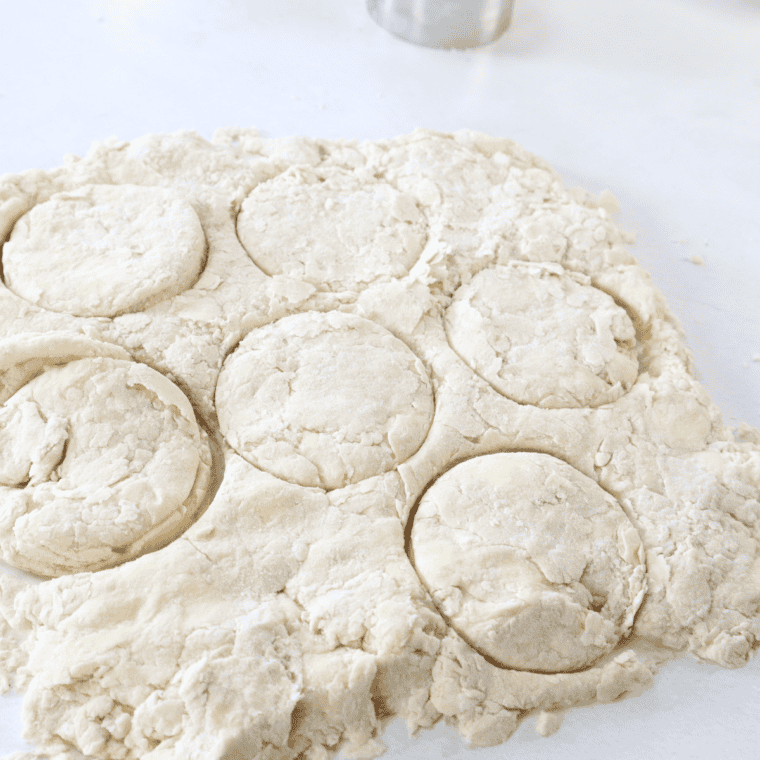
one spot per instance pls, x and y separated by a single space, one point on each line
657 100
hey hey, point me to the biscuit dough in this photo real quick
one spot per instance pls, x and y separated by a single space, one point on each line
340 233
100 460
102 250
324 399
542 336
462 469
529 560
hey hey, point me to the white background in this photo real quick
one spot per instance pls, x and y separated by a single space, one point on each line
659 101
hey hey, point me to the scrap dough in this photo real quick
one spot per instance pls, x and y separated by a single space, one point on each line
462 469
102 250
100 459
529 560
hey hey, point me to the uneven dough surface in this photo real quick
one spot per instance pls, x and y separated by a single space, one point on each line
531 561
462 467
103 250
340 232
540 336
324 399
99 459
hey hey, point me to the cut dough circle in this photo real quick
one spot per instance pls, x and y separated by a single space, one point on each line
101 460
531 561
341 233
324 399
24 356
540 336
104 250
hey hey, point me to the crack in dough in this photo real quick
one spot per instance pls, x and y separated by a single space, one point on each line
104 250
543 336
100 461
340 233
532 562
324 399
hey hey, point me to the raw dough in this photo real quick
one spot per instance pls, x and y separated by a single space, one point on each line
340 233
103 250
324 399
529 560
542 336
100 460
375 327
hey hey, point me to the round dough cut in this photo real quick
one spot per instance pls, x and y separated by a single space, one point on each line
104 250
340 234
541 337
532 562
101 460
324 399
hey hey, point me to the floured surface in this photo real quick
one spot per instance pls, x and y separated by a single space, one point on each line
289 619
